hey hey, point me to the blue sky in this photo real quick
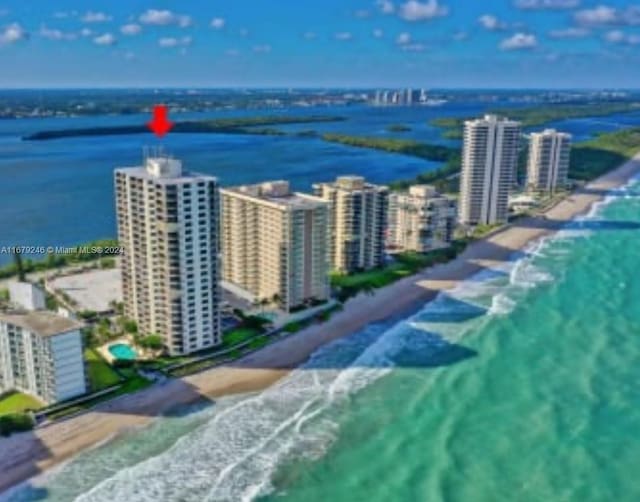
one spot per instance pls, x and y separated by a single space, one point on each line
366 43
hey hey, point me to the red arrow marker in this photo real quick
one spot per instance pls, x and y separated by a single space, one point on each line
160 125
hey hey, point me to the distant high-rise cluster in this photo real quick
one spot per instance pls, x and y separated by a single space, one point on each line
400 97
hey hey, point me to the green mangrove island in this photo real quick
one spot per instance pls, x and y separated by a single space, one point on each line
241 125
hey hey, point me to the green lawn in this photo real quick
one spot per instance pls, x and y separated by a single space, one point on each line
17 402
101 375
238 335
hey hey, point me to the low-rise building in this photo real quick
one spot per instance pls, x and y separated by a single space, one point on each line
41 354
420 219
274 244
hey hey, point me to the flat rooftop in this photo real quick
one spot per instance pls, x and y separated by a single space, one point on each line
186 176
276 192
41 322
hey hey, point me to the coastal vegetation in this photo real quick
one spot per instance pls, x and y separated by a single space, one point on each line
15 422
603 153
444 178
240 125
403 265
532 117
15 416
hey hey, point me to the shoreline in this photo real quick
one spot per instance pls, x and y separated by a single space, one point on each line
43 448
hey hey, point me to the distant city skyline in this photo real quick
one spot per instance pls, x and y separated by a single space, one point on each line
360 43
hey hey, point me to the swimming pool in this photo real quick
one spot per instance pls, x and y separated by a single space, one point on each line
123 351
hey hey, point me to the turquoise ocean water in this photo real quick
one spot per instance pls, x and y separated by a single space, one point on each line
521 385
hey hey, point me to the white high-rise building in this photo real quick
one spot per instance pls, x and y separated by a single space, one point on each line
548 167
420 219
357 222
274 244
489 163
168 221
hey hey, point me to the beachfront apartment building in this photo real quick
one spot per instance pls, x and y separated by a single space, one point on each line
420 220
357 222
548 165
168 225
489 163
274 244
41 353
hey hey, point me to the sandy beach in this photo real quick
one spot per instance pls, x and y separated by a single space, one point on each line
27 454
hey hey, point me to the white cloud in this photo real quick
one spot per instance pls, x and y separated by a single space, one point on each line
547 4
377 33
620 37
460 35
105 39
614 36
413 10
344 35
264 49
217 23
53 34
131 29
86 32
12 33
570 33
96 17
169 42
403 38
130 56
164 18
491 23
519 41
414 47
386 7
602 14
244 32
309 35
362 14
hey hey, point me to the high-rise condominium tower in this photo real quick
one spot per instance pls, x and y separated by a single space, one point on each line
358 222
420 219
168 226
274 244
548 165
489 162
